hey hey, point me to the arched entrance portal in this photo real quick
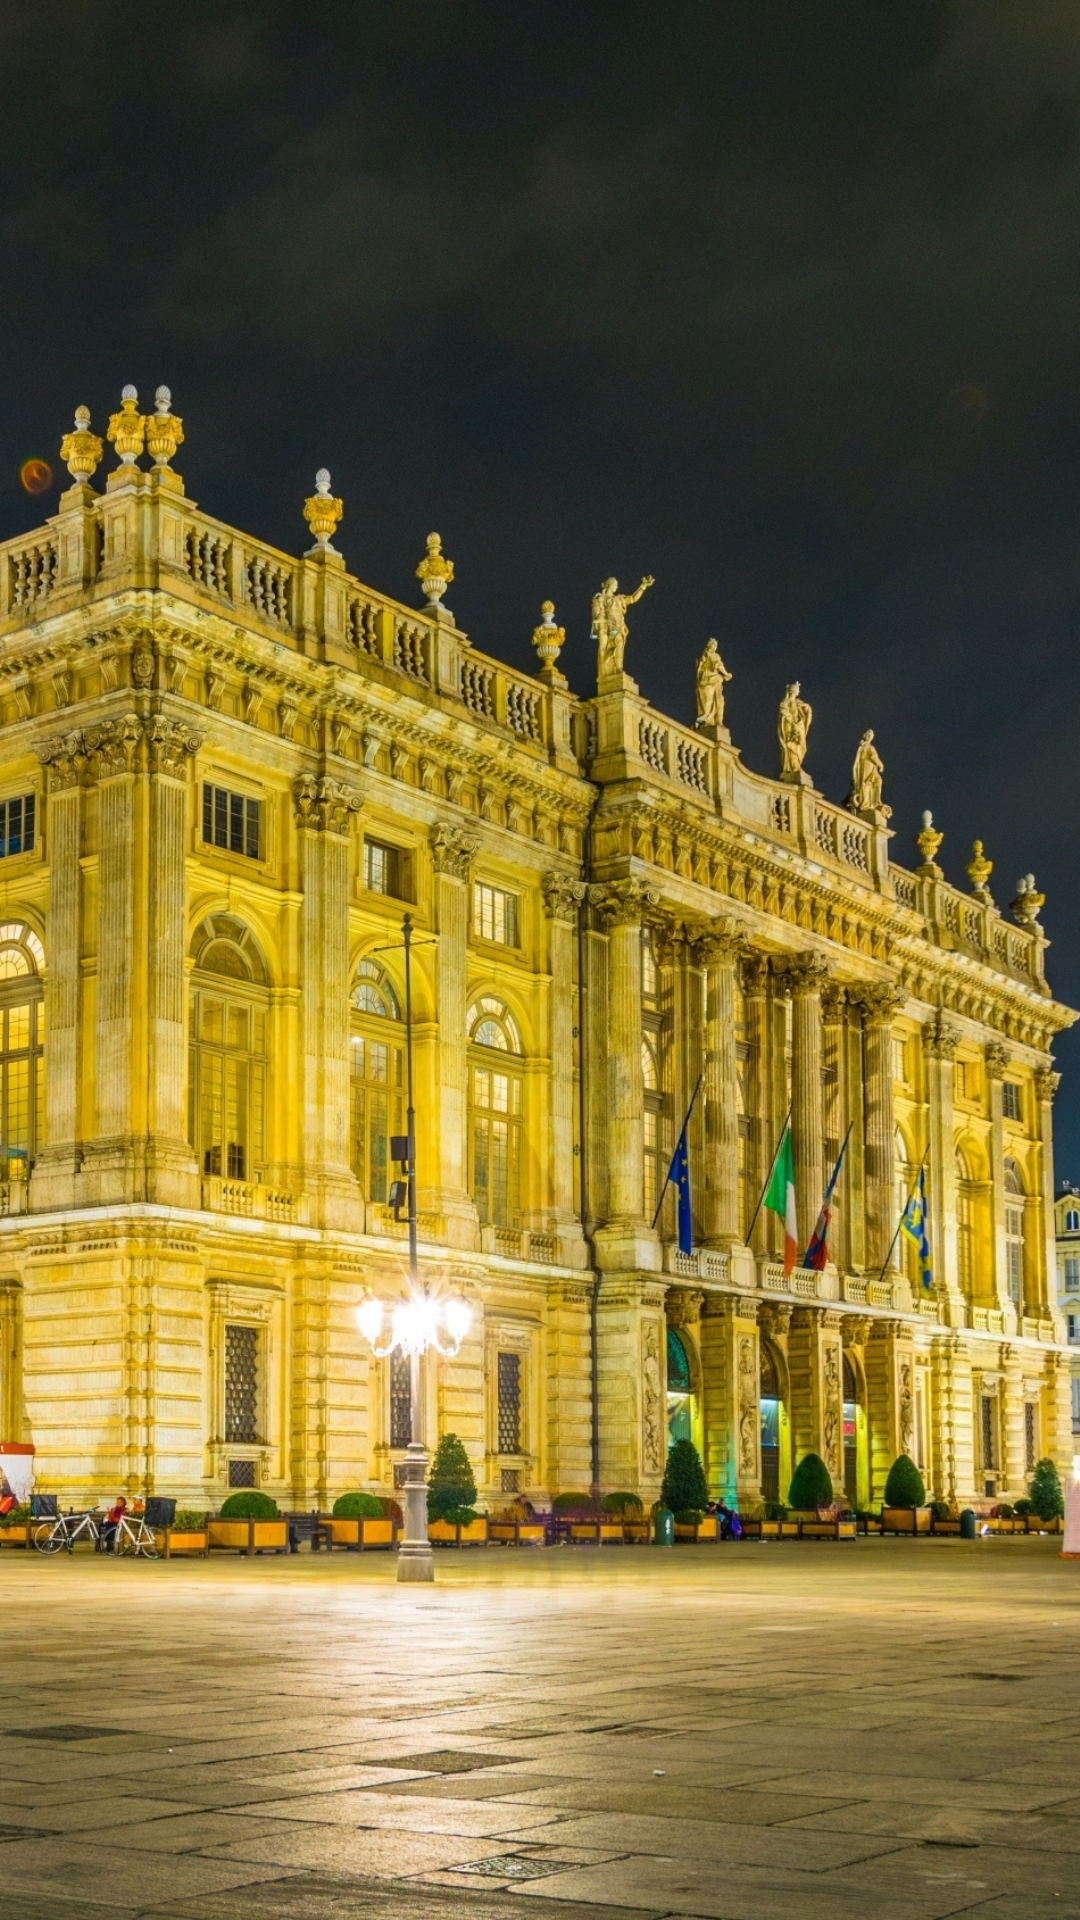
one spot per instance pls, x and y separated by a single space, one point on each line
680 1396
854 1435
771 1417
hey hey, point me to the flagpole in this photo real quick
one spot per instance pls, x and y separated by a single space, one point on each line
682 1130
900 1222
829 1188
769 1175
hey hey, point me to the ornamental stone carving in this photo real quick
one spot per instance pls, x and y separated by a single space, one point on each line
802 973
324 805
997 1059
832 1410
906 1407
1047 1083
609 624
64 756
720 940
749 1416
453 850
775 1318
880 1000
941 1039
651 1382
562 895
793 729
113 745
171 745
142 667
626 903
683 1306
712 678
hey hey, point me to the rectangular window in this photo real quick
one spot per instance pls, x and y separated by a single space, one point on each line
384 869
400 1399
495 915
496 1146
241 1385
1072 1273
232 821
1014 1253
1010 1099
1029 1436
1076 1406
509 1403
17 820
989 1448
1070 1322
899 1060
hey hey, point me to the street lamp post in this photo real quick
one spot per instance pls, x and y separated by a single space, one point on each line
416 1323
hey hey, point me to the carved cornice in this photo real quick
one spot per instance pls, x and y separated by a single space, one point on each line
453 850
562 896
171 745
941 1039
324 805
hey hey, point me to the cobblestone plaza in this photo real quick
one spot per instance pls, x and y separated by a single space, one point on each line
751 1733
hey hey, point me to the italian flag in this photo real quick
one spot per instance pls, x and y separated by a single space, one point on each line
780 1199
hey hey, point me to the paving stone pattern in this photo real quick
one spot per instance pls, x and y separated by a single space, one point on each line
802 1732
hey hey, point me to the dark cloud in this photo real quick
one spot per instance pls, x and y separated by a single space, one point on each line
776 302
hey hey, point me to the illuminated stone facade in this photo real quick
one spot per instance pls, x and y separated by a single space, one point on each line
225 774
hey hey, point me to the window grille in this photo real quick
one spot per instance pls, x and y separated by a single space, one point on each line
1029 1436
989 1449
1010 1099
241 1473
510 1480
241 1385
495 915
232 821
400 1399
509 1403
17 819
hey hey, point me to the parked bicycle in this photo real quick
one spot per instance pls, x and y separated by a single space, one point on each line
63 1530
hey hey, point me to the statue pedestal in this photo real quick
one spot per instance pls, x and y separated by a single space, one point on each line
616 683
798 779
719 736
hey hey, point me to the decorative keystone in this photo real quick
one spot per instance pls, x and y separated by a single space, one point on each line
81 450
548 639
322 512
435 571
127 429
928 842
164 432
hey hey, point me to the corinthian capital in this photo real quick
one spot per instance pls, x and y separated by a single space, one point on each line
997 1059
879 1000
717 941
113 745
625 903
562 895
941 1039
1047 1083
453 850
324 805
171 745
803 973
64 758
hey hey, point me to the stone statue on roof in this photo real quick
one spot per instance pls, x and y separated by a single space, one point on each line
609 624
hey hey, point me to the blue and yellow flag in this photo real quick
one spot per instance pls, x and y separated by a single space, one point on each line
914 1223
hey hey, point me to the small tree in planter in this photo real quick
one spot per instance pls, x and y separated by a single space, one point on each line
249 1506
451 1486
904 1486
684 1489
358 1506
811 1485
1047 1499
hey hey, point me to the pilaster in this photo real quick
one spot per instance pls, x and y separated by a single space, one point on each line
632 1381
759 1141
717 952
324 811
452 853
562 900
172 1174
805 975
627 1240
1046 1084
890 1393
940 1041
879 1002
53 1180
112 1165
731 1394
817 1393
996 1058
569 1385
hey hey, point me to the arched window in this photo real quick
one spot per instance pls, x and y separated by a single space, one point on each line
228 1050
377 1096
1014 1233
965 1226
495 1103
679 1388
22 1037
851 1431
1072 1221
770 1424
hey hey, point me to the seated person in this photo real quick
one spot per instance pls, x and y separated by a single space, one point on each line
110 1523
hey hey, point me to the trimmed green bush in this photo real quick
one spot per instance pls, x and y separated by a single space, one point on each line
811 1484
774 1510
1047 1499
574 1503
16 1518
689 1517
626 1506
358 1506
451 1482
905 1486
459 1516
249 1506
1005 1512
940 1510
188 1520
684 1479
1022 1507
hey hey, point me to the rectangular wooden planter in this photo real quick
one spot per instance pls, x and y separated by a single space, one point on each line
945 1526
517 1533
706 1529
360 1534
600 1532
828 1530
636 1532
14 1536
249 1536
866 1523
905 1520
183 1540
789 1529
442 1534
1032 1524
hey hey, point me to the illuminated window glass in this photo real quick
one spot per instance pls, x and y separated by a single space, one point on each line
17 824
495 915
377 1082
231 820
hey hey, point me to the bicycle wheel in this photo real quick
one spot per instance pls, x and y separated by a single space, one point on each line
53 1540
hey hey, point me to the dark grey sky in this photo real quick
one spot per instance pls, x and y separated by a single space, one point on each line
776 302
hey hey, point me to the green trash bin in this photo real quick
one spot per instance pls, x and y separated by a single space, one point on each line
663 1527
967 1524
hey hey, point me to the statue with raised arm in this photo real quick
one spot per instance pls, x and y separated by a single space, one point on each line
866 775
793 727
609 623
712 678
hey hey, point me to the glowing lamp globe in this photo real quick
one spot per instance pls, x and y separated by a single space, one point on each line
457 1314
369 1315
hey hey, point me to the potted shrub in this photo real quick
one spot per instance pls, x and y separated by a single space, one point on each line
452 1517
1047 1499
249 1522
904 1508
358 1520
13 1527
517 1526
626 1511
943 1517
189 1533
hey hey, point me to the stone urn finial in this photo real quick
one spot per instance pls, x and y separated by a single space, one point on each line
1028 901
928 842
322 512
978 870
127 429
549 640
435 572
81 450
164 432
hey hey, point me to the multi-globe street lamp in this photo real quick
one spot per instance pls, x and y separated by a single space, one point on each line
418 1323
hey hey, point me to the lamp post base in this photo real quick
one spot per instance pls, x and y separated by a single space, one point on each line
415 1558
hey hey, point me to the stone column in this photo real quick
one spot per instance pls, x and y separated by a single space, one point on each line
1045 1292
627 1240
562 898
759 1142
568 1397
854 1176
890 1398
996 1058
717 951
834 1012
171 1170
952 1426
109 1167
324 810
806 975
940 1040
53 1180
817 1391
632 1385
452 853
879 1002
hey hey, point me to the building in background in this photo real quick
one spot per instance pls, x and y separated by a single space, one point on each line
224 775
1067 1228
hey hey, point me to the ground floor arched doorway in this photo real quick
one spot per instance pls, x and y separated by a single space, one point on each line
771 1424
680 1390
855 1477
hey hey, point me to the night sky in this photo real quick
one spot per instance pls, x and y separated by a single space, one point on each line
780 303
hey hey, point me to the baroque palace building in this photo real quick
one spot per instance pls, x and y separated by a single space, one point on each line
225 774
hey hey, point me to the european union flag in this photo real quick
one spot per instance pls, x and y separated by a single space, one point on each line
914 1224
679 1176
